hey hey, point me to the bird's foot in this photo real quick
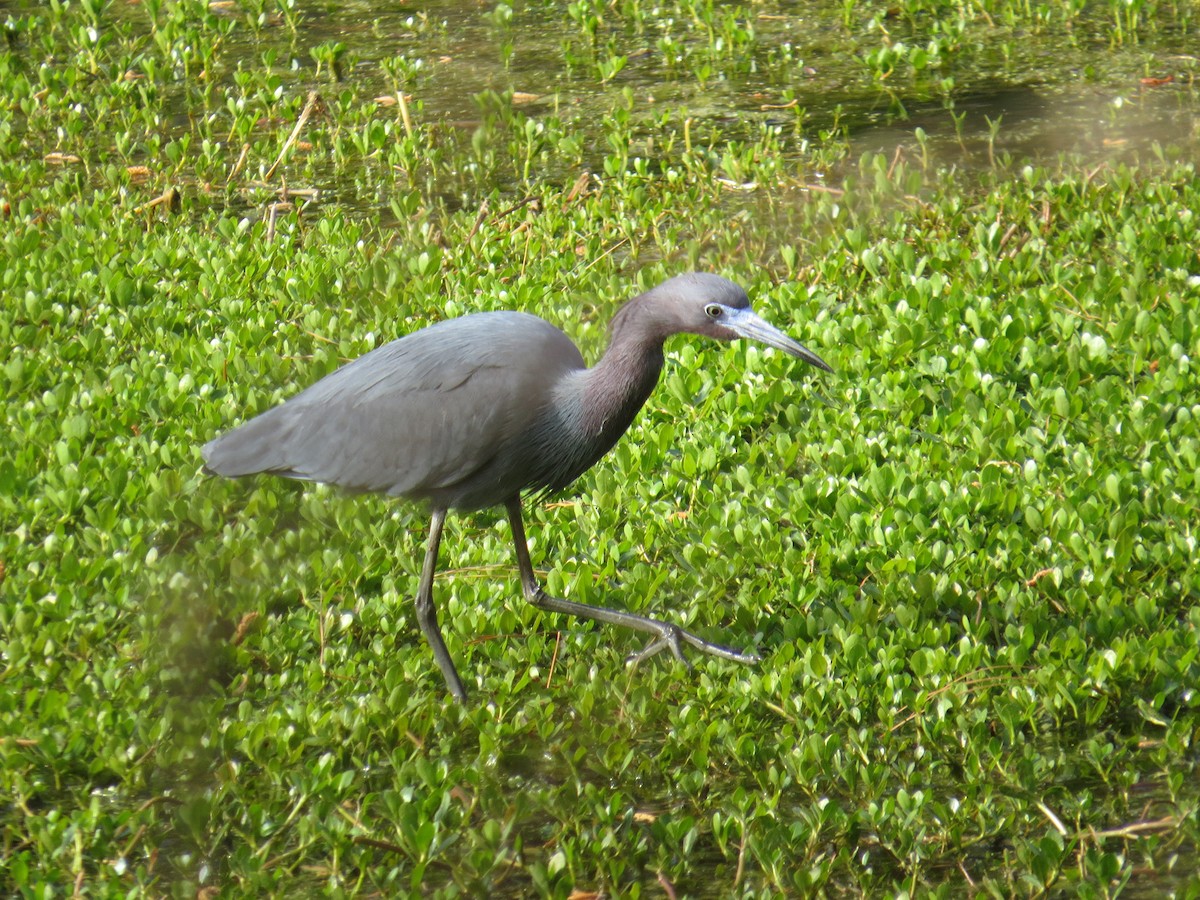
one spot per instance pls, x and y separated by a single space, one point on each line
673 637
667 635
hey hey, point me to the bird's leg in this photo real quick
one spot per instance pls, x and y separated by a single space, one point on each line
427 614
668 635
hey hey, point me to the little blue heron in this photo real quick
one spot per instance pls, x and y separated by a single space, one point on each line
472 412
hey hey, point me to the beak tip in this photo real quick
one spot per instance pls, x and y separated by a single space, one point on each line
813 360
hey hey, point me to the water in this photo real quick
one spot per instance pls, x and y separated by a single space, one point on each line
832 85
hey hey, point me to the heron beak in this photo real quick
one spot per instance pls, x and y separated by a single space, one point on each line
746 323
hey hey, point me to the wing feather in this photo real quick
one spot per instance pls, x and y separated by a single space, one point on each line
413 417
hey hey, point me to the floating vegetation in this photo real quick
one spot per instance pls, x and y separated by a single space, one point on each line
968 560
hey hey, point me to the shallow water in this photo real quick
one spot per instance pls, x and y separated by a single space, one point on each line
972 98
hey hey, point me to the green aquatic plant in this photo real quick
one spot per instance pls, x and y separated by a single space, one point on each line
968 560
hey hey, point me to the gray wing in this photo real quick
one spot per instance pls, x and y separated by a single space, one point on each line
415 416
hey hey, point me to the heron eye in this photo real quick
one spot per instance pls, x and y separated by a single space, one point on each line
713 311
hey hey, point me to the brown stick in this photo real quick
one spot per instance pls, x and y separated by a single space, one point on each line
314 98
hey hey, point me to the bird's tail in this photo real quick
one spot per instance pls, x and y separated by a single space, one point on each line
260 445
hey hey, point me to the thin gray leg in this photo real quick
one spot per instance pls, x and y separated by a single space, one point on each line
667 636
427 614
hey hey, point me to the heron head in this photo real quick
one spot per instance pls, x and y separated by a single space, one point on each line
717 308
